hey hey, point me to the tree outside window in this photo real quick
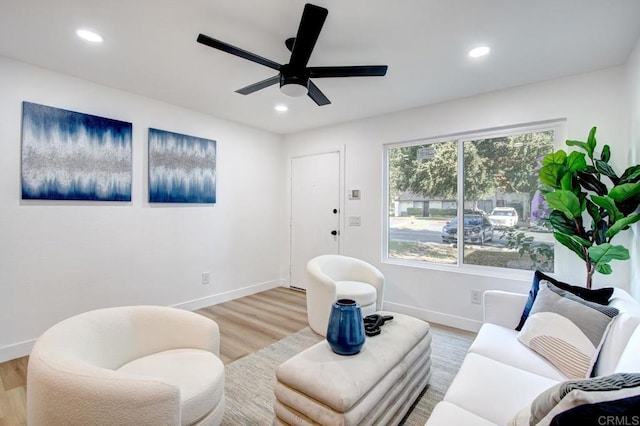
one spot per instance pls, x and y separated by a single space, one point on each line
499 176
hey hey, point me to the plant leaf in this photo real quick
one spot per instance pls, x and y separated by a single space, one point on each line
568 241
631 175
621 224
629 205
552 174
606 252
579 144
600 231
591 183
556 157
560 223
593 211
609 205
589 145
606 154
576 161
620 193
566 182
606 170
566 202
604 268
591 141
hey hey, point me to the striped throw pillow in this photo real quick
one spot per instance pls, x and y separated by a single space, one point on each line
566 330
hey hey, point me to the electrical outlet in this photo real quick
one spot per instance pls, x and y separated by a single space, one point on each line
476 297
206 278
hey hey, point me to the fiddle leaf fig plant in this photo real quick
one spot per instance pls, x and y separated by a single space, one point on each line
581 185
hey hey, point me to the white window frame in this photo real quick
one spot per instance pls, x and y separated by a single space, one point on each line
558 126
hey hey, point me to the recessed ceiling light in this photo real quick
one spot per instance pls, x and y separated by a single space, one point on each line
281 108
479 51
89 36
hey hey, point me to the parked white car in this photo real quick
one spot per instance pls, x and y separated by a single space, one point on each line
504 217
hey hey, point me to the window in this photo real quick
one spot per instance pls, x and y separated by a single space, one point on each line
489 179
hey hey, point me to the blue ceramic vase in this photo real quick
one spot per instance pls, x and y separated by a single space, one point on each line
345 332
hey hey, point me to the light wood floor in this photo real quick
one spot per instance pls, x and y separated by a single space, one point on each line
246 325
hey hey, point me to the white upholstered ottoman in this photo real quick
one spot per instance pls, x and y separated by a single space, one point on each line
376 386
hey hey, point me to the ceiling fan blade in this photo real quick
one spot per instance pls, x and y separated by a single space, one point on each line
317 96
313 18
348 71
226 47
259 85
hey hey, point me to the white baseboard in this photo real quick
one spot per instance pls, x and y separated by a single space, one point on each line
434 317
18 350
215 299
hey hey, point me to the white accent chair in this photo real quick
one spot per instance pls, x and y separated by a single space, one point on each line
331 277
132 365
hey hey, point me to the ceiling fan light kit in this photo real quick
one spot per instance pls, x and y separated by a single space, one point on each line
292 84
295 77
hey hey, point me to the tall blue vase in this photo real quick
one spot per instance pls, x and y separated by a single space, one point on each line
345 332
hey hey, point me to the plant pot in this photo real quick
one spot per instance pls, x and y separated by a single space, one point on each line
345 331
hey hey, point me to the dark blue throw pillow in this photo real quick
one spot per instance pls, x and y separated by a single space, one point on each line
600 296
619 412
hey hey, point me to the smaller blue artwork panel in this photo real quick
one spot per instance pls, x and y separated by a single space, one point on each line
182 169
69 155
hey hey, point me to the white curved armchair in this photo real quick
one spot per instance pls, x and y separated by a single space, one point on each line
331 277
132 365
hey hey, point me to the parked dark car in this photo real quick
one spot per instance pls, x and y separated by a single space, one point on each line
477 229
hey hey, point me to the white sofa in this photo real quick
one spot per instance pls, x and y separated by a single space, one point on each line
500 376
130 365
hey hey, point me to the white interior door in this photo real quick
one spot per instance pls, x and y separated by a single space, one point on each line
315 211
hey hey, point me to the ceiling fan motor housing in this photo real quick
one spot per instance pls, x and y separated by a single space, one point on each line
292 83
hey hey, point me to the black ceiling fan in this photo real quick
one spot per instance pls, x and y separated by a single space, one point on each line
294 77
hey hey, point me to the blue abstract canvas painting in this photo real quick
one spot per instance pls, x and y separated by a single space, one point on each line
68 155
182 169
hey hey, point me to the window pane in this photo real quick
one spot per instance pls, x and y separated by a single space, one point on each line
504 214
422 200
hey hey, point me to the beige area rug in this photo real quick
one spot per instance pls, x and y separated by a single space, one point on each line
249 380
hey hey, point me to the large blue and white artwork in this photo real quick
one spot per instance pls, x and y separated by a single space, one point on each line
182 169
68 155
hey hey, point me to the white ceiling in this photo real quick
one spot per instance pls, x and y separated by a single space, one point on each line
150 48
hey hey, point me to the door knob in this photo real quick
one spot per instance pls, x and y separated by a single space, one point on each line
335 211
334 232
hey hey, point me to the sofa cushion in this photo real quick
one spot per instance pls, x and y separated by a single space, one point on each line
446 413
501 344
600 296
197 373
630 360
619 333
567 330
493 390
567 395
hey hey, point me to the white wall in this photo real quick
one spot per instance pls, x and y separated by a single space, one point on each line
61 258
633 75
597 98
